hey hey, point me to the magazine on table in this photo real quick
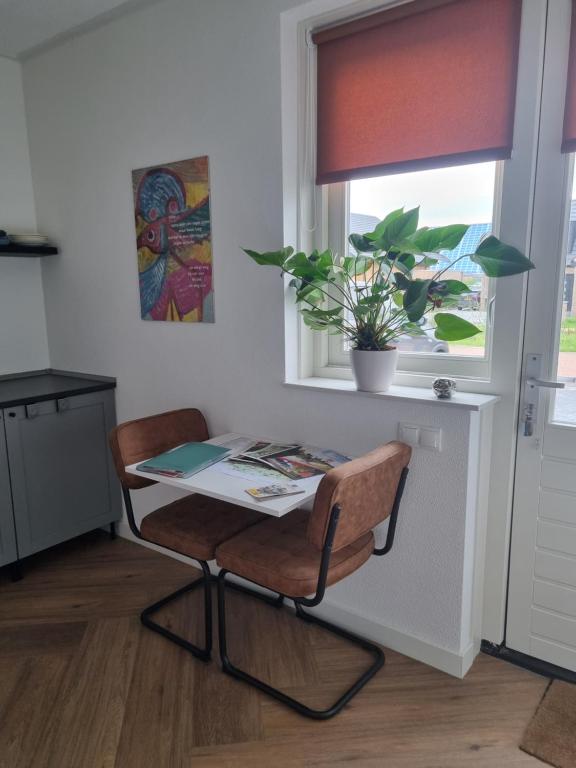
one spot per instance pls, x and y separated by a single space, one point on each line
274 490
296 462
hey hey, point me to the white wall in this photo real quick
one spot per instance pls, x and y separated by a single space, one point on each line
23 340
176 80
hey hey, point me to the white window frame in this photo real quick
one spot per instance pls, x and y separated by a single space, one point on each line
332 361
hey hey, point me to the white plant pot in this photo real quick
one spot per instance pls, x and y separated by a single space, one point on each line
374 371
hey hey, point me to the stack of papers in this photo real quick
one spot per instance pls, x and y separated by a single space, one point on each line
263 459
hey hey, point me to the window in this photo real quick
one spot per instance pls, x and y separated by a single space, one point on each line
375 155
460 194
444 144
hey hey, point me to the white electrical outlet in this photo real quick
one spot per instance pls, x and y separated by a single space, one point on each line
421 437
409 433
431 438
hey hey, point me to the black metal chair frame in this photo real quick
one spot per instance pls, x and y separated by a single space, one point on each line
204 653
205 581
299 602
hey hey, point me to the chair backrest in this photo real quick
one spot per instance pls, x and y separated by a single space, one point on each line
140 439
364 489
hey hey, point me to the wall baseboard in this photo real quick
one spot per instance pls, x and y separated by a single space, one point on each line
451 662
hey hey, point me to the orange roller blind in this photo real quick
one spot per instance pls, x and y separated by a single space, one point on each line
569 138
426 84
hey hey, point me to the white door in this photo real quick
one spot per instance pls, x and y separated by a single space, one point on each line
542 583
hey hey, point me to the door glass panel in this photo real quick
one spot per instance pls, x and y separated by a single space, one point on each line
565 401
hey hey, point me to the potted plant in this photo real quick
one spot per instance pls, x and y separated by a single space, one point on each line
393 278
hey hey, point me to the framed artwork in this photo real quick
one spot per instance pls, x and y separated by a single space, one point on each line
174 241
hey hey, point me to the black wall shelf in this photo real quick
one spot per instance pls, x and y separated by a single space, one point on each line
16 249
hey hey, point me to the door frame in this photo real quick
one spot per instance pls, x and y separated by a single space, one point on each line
551 205
509 313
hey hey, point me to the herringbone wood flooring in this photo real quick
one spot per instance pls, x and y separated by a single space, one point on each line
84 685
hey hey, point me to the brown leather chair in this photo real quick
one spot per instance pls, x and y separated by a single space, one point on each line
194 525
302 553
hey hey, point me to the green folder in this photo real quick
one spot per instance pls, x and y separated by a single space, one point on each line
185 460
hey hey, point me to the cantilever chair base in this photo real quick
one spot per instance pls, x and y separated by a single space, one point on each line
204 654
299 602
174 527
206 580
303 709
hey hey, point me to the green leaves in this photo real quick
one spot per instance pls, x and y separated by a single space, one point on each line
401 280
362 244
401 227
384 224
453 328
427 262
416 299
443 288
500 260
322 319
309 292
390 279
439 238
405 263
315 266
270 258
395 230
361 265
413 329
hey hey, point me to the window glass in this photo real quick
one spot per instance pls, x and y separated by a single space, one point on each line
565 403
456 195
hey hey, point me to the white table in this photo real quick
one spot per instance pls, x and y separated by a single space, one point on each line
213 482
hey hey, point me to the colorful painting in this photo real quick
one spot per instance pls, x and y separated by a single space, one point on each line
174 241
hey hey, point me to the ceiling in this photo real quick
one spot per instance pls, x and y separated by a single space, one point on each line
27 25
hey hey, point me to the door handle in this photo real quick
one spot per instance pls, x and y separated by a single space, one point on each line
546 384
532 371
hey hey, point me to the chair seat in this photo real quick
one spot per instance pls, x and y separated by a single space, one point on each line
196 525
276 554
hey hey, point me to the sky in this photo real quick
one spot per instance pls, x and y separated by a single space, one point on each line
459 195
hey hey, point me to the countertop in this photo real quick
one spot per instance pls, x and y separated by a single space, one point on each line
49 384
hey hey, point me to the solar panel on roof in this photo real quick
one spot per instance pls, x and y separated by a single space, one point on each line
468 244
360 223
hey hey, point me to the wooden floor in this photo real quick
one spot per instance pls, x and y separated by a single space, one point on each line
84 685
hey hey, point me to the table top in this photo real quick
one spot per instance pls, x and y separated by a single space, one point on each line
213 482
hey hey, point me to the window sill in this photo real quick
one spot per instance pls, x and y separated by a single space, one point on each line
469 401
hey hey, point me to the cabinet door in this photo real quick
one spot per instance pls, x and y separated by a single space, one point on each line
8 551
62 480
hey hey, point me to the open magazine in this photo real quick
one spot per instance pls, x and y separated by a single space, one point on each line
294 461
